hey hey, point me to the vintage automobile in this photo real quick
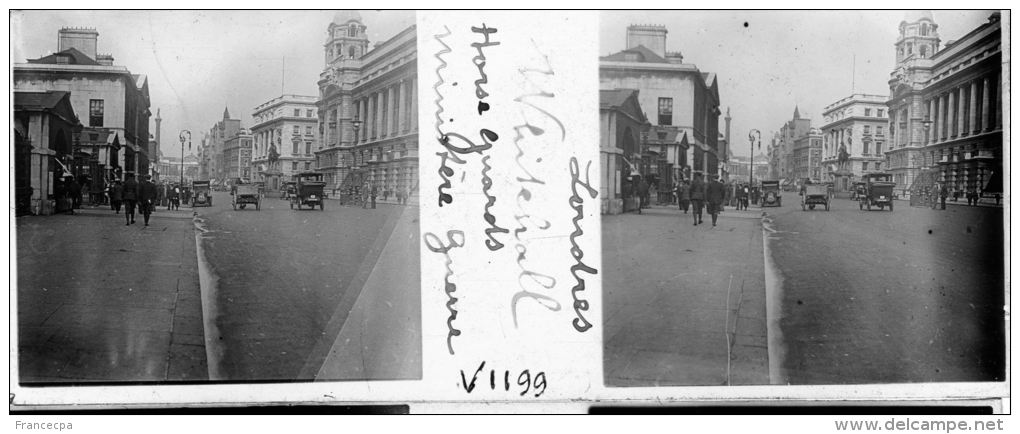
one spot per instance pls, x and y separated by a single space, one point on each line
771 195
308 190
814 194
857 190
287 189
246 194
201 195
878 191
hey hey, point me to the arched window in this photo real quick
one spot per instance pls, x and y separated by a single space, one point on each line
924 29
352 31
351 52
910 48
924 51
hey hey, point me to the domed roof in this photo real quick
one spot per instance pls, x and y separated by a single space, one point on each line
343 16
917 15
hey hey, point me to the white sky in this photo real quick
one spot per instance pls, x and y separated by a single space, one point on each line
200 61
783 58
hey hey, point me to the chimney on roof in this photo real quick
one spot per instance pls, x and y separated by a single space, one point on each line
652 37
83 40
105 59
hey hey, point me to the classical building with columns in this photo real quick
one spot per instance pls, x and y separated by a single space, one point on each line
857 124
286 128
945 108
368 109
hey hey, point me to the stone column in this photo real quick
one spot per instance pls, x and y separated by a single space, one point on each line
414 104
951 114
985 104
402 104
943 132
931 118
394 121
972 113
961 115
998 100
380 114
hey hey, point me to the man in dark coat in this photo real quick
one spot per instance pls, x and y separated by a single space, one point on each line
147 196
130 196
697 198
116 196
715 194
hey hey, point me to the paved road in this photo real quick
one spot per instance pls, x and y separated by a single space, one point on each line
283 281
914 295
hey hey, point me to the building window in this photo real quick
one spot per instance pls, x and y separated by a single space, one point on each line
867 129
665 111
308 130
297 130
864 166
881 113
96 112
308 148
867 112
878 165
352 31
878 130
864 150
308 113
293 166
878 148
308 165
295 149
297 113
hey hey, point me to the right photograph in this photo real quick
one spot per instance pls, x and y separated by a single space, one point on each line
803 197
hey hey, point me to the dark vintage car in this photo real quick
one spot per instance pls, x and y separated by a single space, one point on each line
878 191
857 190
309 189
201 195
771 194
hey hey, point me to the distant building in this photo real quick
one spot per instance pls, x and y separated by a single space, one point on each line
109 99
858 125
945 108
170 168
739 167
622 122
681 96
214 164
44 127
237 156
368 109
284 138
782 151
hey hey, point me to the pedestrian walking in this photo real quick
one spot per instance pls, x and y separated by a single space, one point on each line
373 193
715 194
653 193
130 197
74 189
943 194
683 195
175 198
147 195
697 198
642 192
116 196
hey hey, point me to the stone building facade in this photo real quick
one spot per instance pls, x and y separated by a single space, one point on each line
859 125
368 110
945 109
680 96
285 125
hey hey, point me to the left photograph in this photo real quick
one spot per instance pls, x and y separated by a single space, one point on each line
222 196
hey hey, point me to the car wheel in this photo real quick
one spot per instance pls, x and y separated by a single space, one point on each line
811 207
242 206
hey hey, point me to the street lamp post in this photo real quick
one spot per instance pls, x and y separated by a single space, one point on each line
184 136
751 136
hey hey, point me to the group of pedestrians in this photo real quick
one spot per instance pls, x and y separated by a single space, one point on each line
697 196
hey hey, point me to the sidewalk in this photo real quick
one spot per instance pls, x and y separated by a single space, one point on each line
684 304
100 301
